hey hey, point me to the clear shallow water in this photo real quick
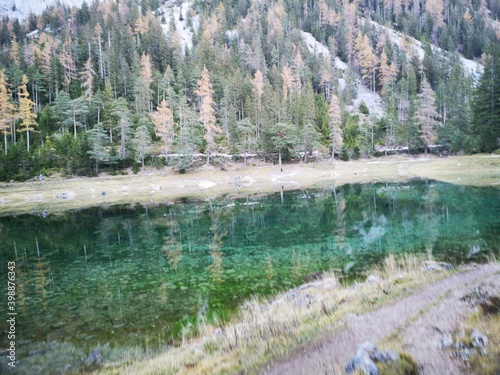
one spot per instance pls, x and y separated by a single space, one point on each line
135 275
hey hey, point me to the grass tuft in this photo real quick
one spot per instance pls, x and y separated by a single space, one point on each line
405 365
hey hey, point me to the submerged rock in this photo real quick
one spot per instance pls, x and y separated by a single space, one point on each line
95 357
366 356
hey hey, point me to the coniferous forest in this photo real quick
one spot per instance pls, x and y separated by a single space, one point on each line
120 84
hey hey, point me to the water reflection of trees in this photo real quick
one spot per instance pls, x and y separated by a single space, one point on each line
112 263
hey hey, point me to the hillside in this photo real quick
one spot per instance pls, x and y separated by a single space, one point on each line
21 9
113 85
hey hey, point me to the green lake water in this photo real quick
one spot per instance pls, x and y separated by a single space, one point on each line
133 276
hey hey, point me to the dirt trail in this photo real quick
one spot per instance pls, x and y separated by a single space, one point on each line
418 321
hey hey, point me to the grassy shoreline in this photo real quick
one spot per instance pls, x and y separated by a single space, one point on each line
272 328
55 195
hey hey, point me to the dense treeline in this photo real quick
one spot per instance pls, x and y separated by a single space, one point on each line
117 84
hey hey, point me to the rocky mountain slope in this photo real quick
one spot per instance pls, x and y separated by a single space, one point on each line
21 9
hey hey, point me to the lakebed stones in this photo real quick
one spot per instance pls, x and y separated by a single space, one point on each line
366 356
94 358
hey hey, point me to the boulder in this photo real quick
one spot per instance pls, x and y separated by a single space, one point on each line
366 356
432 265
478 339
372 279
446 342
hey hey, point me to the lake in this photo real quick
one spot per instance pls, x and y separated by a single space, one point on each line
134 276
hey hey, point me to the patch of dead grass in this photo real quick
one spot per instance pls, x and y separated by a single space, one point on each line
487 321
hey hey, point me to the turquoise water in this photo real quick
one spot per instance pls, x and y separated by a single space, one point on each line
135 275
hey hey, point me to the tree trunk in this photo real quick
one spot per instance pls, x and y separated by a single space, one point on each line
279 156
74 122
28 139
5 141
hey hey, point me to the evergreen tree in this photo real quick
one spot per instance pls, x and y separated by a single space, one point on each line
283 140
98 150
142 143
487 104
142 86
87 78
124 125
245 140
75 115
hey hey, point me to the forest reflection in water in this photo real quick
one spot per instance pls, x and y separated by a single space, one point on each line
136 275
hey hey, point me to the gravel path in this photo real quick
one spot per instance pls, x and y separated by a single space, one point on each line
420 321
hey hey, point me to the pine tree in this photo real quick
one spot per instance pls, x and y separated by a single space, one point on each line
28 117
427 116
487 104
142 87
75 115
67 63
207 112
98 152
142 143
335 119
258 89
163 122
325 83
87 78
365 59
435 11
387 74
14 51
97 36
288 82
6 109
308 139
124 124
245 130
283 137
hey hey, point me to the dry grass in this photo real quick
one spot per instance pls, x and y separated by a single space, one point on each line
162 186
268 329
489 363
487 321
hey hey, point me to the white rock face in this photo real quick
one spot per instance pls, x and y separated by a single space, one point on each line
172 9
22 8
372 99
